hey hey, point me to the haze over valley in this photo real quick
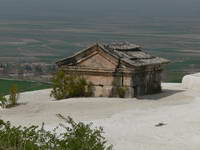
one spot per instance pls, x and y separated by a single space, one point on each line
45 31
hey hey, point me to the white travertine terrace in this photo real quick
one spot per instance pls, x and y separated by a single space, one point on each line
191 82
129 124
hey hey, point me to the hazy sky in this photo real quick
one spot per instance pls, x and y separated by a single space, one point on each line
99 7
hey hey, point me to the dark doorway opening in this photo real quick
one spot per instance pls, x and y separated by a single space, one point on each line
135 91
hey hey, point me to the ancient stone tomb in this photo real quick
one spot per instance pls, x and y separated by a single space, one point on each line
118 66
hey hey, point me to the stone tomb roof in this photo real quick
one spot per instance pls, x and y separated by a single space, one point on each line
129 53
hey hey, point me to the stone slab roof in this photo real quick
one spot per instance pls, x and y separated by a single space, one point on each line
128 53
122 46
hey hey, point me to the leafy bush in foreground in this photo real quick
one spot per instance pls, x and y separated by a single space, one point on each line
66 86
77 136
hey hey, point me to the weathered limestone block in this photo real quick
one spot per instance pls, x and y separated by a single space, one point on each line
102 91
100 80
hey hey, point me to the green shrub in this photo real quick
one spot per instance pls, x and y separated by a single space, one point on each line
121 91
12 99
3 101
118 89
66 86
76 136
13 96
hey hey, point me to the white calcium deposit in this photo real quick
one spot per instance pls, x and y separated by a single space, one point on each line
129 124
191 82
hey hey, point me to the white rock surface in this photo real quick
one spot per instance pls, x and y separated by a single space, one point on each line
191 82
129 124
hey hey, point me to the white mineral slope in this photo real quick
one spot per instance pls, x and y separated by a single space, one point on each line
192 82
129 124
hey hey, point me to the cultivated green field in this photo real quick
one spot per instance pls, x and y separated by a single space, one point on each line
22 85
34 41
